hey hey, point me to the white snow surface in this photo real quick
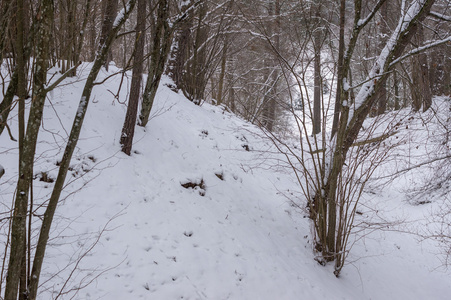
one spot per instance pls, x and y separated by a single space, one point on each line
238 237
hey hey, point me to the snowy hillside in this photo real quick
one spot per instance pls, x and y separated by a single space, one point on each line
202 210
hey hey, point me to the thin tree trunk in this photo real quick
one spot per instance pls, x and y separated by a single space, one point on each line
78 44
21 93
340 71
396 88
269 111
18 230
350 125
70 147
231 91
110 13
421 87
160 50
6 8
317 36
382 94
179 51
424 67
222 72
5 105
128 130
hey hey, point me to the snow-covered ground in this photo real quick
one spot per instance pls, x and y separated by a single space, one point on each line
127 228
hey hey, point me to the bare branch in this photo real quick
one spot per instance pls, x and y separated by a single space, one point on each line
420 49
58 81
440 16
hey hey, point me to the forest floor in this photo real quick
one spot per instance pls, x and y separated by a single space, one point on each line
204 208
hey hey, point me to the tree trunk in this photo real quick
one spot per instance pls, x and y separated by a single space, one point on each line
396 88
219 96
21 93
110 13
383 31
6 8
350 124
103 50
421 87
78 44
128 130
231 91
317 41
340 72
160 49
269 102
179 50
196 78
18 230
5 105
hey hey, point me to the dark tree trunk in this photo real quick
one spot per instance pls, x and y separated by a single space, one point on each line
21 93
383 31
195 81
317 41
340 71
179 51
5 10
160 49
219 96
396 89
128 130
109 16
421 87
269 102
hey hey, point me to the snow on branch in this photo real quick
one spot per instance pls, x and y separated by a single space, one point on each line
384 58
122 13
440 16
363 22
420 49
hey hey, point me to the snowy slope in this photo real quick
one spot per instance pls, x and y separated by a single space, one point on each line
141 235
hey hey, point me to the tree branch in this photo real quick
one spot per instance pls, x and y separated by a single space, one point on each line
58 81
440 16
420 49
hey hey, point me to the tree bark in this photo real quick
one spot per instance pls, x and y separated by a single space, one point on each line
128 130
269 102
6 8
70 147
110 13
317 41
179 50
219 96
18 230
340 72
21 93
383 31
421 88
5 105
160 49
